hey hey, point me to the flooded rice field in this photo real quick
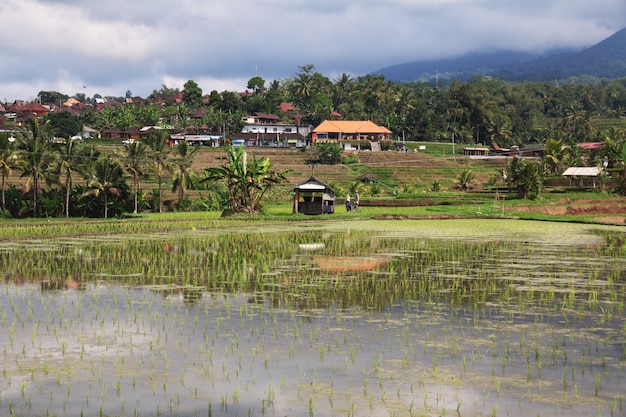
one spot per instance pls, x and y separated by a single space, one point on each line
363 318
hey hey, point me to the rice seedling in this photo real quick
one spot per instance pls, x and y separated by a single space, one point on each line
448 302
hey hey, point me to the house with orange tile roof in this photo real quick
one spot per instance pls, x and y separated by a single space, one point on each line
336 130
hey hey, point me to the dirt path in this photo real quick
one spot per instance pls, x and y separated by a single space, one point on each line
610 210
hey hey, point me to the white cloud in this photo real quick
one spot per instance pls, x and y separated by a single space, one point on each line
141 44
42 28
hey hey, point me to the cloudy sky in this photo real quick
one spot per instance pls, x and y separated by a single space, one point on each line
111 46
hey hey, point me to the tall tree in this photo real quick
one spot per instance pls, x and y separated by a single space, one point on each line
256 84
34 146
134 161
8 159
159 151
182 172
616 151
107 179
554 153
192 95
64 124
69 162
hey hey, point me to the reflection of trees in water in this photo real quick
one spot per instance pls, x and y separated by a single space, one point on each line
273 264
279 268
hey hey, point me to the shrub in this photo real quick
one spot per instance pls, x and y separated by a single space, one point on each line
328 153
435 186
526 177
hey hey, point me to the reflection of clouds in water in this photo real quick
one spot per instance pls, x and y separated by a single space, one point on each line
77 331
289 343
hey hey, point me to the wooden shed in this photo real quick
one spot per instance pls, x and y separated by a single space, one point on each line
313 197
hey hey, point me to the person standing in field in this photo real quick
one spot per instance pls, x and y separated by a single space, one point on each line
356 200
348 205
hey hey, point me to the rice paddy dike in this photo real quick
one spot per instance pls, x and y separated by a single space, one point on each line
340 317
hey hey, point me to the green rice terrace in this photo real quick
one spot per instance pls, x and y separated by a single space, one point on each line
201 316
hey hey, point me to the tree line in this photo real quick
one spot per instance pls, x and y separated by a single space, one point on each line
49 168
483 110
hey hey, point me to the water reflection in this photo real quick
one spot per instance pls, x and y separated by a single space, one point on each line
253 324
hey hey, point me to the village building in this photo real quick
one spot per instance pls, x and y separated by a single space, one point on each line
338 130
264 123
272 140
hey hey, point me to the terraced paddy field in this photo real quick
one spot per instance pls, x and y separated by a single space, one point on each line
393 169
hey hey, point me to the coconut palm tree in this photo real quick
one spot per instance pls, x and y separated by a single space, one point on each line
106 179
134 160
182 172
555 153
36 154
616 151
8 159
159 150
69 162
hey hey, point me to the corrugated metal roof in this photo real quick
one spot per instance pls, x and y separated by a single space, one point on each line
313 184
312 187
582 172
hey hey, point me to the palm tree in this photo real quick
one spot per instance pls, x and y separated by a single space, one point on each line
106 179
617 152
343 89
134 160
465 179
302 86
182 172
554 153
159 150
500 130
34 144
69 162
8 158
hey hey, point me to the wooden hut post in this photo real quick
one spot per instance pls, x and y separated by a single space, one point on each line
296 200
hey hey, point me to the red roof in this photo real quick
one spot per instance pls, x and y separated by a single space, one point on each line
285 107
591 145
36 108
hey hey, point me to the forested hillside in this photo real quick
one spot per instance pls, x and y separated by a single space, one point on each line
605 60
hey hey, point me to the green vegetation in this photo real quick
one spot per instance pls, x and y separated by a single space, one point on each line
247 182
436 122
480 111
328 153
199 315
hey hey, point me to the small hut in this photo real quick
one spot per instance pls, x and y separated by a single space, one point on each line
313 197
581 173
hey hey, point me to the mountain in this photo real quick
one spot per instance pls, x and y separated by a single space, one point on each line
606 59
